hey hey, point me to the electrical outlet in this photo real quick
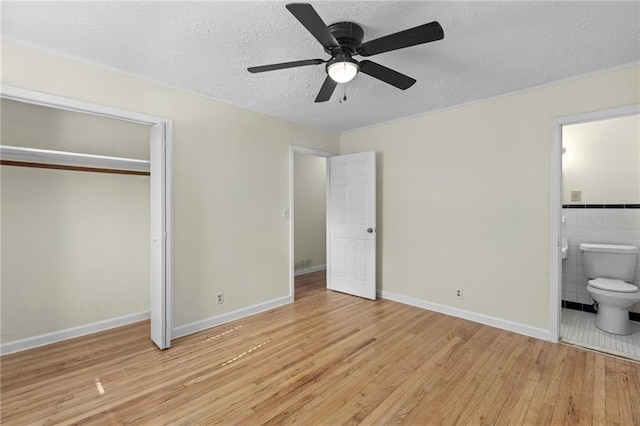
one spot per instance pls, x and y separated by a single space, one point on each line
220 298
458 293
576 195
303 263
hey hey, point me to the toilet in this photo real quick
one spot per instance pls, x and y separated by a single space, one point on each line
610 269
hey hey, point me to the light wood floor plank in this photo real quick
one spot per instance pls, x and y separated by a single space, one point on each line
624 400
554 381
576 389
328 358
586 389
634 391
599 392
612 409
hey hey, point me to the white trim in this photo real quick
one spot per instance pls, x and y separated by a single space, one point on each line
65 158
310 270
604 114
194 327
297 149
493 98
71 333
527 330
168 223
68 104
166 188
312 151
555 214
555 226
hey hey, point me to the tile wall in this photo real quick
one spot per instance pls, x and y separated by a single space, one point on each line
606 224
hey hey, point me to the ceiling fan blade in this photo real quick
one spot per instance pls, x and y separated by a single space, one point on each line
411 37
326 90
285 65
309 18
387 75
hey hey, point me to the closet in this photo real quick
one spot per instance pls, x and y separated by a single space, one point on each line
75 221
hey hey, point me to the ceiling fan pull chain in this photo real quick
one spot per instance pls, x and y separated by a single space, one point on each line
344 93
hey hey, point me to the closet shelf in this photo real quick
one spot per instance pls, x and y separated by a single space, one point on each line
62 160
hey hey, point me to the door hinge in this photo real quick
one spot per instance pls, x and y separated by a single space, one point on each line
165 235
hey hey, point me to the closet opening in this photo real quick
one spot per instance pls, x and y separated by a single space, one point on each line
85 220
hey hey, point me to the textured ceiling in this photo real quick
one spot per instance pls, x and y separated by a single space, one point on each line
490 48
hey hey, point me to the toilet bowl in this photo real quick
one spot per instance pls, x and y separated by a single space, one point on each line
613 305
611 269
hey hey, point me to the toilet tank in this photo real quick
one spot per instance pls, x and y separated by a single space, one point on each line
609 261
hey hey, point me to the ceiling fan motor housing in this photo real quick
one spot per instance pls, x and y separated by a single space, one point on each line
349 35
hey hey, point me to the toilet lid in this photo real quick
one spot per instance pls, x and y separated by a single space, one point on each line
613 285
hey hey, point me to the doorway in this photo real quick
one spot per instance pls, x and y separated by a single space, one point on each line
589 205
310 193
308 231
351 230
160 166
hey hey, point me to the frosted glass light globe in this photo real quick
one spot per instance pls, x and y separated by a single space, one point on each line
342 71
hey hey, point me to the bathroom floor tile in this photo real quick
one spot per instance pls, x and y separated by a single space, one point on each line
579 328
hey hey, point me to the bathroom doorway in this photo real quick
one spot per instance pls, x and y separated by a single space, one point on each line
596 200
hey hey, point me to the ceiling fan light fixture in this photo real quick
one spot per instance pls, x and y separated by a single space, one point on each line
342 40
342 70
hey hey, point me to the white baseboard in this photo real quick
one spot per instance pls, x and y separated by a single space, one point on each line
70 333
527 330
197 326
310 270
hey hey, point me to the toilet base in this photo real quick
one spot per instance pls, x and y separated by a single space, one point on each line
613 320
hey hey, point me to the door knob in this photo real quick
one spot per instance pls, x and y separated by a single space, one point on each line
370 230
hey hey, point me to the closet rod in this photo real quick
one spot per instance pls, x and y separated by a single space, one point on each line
61 160
74 168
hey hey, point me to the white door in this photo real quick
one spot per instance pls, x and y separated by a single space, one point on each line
351 224
159 327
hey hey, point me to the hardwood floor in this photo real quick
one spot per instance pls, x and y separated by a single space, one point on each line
328 358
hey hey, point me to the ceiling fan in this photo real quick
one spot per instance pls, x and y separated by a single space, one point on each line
343 40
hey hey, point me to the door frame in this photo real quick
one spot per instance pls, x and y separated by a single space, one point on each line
555 216
298 149
163 127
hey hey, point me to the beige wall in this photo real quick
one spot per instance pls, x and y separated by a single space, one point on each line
230 179
463 194
310 209
464 197
75 244
602 160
